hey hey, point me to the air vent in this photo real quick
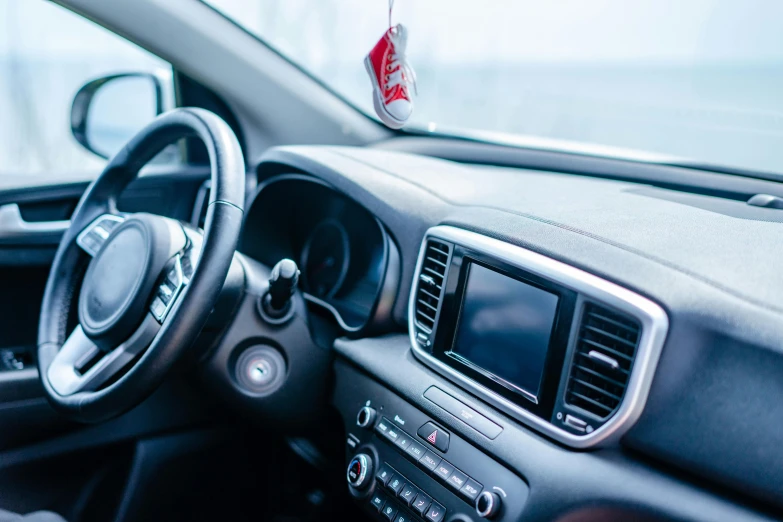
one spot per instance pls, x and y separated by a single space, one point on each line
430 289
602 363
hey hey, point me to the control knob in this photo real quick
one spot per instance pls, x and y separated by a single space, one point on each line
366 417
487 504
360 471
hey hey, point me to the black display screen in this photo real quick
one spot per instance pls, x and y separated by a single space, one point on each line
504 329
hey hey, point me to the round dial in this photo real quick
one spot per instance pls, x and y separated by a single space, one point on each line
325 259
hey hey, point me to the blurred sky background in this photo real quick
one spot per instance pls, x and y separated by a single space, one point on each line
700 79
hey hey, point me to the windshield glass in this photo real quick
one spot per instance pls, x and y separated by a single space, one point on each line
699 79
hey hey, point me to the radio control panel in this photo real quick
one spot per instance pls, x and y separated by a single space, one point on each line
404 466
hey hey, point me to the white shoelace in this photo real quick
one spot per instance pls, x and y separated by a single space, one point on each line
404 75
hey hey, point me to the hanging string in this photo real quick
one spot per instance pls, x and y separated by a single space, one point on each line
391 6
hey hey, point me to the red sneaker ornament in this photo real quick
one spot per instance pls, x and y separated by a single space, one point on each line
391 76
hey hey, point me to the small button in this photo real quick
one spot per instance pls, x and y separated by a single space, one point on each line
575 423
457 480
393 434
383 426
165 293
401 517
384 474
435 513
435 436
421 503
157 308
430 461
471 489
407 494
444 470
378 500
403 441
173 277
388 511
415 450
395 483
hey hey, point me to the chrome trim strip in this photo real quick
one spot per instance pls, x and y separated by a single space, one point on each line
655 325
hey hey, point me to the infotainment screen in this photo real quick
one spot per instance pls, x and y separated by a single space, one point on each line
504 328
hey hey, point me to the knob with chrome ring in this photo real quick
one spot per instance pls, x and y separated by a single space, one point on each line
487 504
360 471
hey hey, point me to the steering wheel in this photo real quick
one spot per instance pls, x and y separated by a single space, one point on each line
143 285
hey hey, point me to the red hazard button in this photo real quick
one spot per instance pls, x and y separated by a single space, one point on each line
435 436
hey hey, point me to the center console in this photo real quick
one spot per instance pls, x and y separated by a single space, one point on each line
403 466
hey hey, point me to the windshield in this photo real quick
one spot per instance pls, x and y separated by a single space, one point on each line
700 80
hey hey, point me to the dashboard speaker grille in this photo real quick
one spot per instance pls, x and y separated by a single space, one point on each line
429 292
602 363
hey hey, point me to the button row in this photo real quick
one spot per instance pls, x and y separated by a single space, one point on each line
408 494
443 470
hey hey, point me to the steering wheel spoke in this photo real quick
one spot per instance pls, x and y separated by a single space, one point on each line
92 238
82 366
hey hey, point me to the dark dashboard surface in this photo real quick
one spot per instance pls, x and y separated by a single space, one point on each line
711 263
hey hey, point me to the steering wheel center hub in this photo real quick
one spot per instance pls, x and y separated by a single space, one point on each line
121 277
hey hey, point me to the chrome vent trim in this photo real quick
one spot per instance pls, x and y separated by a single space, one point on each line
651 317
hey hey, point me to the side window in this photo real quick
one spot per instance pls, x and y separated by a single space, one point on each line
47 54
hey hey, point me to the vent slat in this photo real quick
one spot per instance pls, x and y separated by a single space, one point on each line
427 317
630 328
431 271
606 348
433 260
425 303
599 374
599 388
424 291
430 288
444 252
591 401
609 335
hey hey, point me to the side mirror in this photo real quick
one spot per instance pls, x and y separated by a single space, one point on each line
109 111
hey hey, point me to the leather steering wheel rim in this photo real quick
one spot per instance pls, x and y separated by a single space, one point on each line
182 326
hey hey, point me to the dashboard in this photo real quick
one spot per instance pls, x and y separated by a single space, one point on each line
529 346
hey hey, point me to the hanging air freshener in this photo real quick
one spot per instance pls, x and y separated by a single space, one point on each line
391 76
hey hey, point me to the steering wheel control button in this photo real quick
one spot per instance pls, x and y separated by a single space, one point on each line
429 461
389 512
407 494
366 417
471 490
395 484
415 450
360 471
434 436
158 308
444 470
260 370
487 504
421 503
378 500
457 480
384 474
92 238
435 513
